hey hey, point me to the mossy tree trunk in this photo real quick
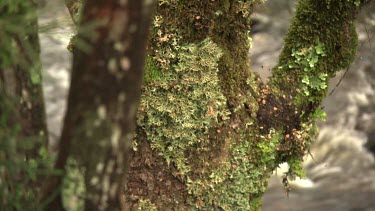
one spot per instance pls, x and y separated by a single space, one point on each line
210 133
109 53
23 133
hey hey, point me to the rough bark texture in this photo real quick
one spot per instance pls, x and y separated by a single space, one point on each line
209 132
23 133
107 74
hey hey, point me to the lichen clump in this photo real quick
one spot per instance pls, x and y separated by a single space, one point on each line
180 105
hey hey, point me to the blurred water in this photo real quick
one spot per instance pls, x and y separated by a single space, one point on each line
342 175
56 29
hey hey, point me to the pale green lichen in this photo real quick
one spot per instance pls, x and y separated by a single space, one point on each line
146 205
238 183
180 106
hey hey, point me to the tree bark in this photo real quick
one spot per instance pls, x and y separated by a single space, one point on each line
103 99
210 133
23 131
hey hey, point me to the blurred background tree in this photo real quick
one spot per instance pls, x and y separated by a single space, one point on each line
23 133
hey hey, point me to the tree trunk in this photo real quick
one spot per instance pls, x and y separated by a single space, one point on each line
210 133
108 62
23 133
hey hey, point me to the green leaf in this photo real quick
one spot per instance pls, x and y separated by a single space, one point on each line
305 80
319 49
35 75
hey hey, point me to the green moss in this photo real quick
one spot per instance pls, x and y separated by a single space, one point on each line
246 180
256 202
237 184
231 34
153 73
295 167
268 149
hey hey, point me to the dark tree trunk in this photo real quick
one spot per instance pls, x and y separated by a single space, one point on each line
103 98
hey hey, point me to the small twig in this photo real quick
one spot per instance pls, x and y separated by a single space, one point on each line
343 76
369 37
312 157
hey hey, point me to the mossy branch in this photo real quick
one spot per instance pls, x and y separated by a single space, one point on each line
321 41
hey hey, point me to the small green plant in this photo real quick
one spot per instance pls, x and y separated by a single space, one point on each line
307 59
268 147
